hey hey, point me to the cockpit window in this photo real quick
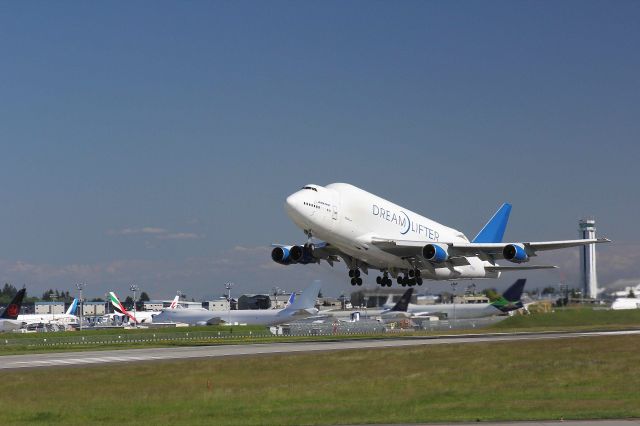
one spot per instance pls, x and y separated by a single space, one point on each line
310 187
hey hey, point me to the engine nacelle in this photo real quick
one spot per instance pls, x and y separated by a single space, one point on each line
281 255
302 254
515 253
435 253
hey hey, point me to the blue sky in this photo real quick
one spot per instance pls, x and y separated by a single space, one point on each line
156 142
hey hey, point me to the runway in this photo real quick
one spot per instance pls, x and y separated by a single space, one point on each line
155 354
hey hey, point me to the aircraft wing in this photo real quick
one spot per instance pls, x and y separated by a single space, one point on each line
406 248
518 267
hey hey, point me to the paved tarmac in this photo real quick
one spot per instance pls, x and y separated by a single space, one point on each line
154 354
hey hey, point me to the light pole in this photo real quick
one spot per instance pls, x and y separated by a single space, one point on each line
453 298
228 286
134 289
276 290
80 287
366 304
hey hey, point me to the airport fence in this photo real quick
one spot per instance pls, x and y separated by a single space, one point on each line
296 329
56 340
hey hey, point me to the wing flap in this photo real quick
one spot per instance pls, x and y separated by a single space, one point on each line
497 268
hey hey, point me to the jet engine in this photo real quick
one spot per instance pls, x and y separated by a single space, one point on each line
302 254
435 253
281 255
515 253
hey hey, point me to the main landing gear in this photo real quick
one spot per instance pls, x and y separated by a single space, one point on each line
384 280
411 278
355 277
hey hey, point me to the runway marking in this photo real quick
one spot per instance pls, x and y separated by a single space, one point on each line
190 352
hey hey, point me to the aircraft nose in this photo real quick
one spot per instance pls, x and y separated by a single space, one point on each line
292 204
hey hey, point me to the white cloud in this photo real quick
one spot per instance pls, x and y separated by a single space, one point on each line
179 236
147 230
159 233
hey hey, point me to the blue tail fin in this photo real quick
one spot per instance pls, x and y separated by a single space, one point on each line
514 293
73 307
493 231
403 303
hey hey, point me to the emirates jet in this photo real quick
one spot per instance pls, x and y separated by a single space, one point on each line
343 222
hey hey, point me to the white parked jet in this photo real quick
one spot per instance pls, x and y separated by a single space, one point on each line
140 317
369 232
69 317
302 306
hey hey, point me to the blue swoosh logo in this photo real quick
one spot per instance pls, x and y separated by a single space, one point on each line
408 223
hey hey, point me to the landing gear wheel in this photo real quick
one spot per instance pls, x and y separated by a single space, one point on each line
412 272
351 273
417 273
353 281
358 281
379 280
356 273
419 281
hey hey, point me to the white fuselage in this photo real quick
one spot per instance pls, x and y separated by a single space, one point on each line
349 218
10 325
625 303
454 310
48 318
248 316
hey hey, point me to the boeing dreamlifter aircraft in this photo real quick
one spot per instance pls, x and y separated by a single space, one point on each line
369 232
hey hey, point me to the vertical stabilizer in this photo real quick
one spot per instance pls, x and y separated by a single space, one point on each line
514 293
72 307
119 307
13 309
403 303
307 300
510 299
493 231
292 298
174 302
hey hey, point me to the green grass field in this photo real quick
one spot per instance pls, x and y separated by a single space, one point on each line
572 318
579 378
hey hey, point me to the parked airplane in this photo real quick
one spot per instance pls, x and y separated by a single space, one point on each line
69 317
509 301
302 307
9 317
368 232
119 308
399 310
625 303
140 316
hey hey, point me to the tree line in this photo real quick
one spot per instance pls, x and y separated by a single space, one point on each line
8 292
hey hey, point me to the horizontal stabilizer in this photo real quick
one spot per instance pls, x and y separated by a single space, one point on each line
518 268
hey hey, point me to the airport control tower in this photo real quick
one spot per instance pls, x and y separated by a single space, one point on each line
588 272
